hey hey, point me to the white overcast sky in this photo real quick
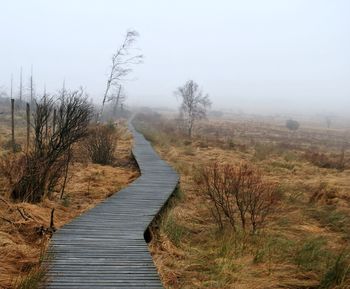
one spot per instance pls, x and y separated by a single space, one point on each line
262 55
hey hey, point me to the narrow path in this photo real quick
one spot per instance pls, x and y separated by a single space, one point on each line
105 247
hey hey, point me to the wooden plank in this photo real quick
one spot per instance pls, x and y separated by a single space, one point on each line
104 248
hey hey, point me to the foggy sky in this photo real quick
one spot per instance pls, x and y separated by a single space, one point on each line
256 56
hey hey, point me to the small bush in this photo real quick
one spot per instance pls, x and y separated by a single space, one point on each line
101 144
292 124
43 166
237 194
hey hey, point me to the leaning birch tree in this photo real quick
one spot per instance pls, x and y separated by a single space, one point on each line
122 62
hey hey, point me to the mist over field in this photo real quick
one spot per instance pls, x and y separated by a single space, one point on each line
254 56
175 144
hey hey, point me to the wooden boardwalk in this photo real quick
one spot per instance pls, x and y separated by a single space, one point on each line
105 247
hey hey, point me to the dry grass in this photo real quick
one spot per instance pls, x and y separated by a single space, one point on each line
22 240
306 242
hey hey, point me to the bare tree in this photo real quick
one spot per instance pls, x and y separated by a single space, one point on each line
46 163
194 104
122 62
13 125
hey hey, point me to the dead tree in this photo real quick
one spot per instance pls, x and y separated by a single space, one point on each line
122 62
194 104
11 90
13 125
20 87
28 124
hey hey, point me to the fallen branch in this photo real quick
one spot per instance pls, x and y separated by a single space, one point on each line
29 216
7 220
23 216
6 202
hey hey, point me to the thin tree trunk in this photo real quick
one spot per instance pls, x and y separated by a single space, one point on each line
20 88
11 93
190 126
13 124
46 120
108 86
28 124
31 86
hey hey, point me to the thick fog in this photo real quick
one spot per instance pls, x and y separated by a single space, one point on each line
254 56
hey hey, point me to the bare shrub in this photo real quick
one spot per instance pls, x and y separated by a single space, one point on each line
101 144
322 160
44 165
237 193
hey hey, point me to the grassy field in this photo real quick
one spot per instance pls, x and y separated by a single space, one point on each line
305 242
22 239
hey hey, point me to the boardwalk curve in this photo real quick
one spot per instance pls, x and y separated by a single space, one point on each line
105 247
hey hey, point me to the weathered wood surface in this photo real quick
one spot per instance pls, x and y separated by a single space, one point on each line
105 247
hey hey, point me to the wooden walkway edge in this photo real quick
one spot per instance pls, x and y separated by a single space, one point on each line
105 247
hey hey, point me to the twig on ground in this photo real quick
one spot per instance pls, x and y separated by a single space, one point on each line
22 215
7 220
